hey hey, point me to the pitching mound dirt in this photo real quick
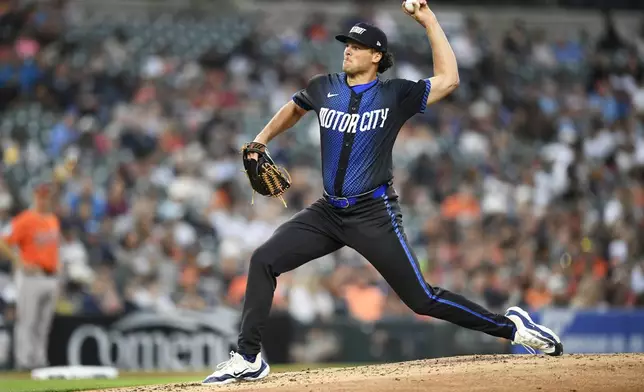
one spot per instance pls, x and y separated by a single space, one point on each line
582 373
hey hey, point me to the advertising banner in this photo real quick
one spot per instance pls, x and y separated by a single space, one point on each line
182 340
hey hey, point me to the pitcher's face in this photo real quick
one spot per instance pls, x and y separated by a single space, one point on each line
359 58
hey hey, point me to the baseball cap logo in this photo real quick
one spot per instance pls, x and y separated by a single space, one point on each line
367 35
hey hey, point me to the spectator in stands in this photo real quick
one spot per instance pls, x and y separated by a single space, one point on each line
102 299
308 301
87 202
365 300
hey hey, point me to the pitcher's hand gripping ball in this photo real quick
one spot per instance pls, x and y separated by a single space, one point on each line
411 5
265 177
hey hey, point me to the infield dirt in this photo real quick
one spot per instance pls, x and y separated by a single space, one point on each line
569 373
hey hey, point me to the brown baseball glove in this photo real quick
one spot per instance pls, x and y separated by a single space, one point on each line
265 177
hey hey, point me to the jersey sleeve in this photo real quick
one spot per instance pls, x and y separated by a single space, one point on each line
412 95
305 98
15 231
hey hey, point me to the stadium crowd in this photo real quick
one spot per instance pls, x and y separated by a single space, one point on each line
524 187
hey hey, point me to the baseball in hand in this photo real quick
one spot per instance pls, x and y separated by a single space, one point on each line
411 5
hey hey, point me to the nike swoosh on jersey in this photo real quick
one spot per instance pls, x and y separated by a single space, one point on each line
329 95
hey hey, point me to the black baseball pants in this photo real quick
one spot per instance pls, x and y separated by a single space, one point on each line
374 229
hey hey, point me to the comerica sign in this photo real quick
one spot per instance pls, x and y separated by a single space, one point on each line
147 350
148 341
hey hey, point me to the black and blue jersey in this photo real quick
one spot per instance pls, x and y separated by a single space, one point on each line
358 127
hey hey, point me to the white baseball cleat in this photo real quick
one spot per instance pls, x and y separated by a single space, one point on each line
238 369
533 336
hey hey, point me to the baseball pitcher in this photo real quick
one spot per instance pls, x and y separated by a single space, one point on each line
359 116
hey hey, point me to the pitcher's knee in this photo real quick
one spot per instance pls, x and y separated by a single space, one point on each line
422 304
265 259
260 258
421 307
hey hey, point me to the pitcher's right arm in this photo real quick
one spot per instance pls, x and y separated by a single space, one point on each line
284 119
290 113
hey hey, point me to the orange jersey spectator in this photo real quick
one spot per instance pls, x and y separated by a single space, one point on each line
36 236
461 205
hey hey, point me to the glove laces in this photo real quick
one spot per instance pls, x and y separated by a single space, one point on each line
271 176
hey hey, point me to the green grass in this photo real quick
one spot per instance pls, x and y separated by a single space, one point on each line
21 382
24 385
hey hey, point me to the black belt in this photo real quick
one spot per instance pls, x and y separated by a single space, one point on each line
348 201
